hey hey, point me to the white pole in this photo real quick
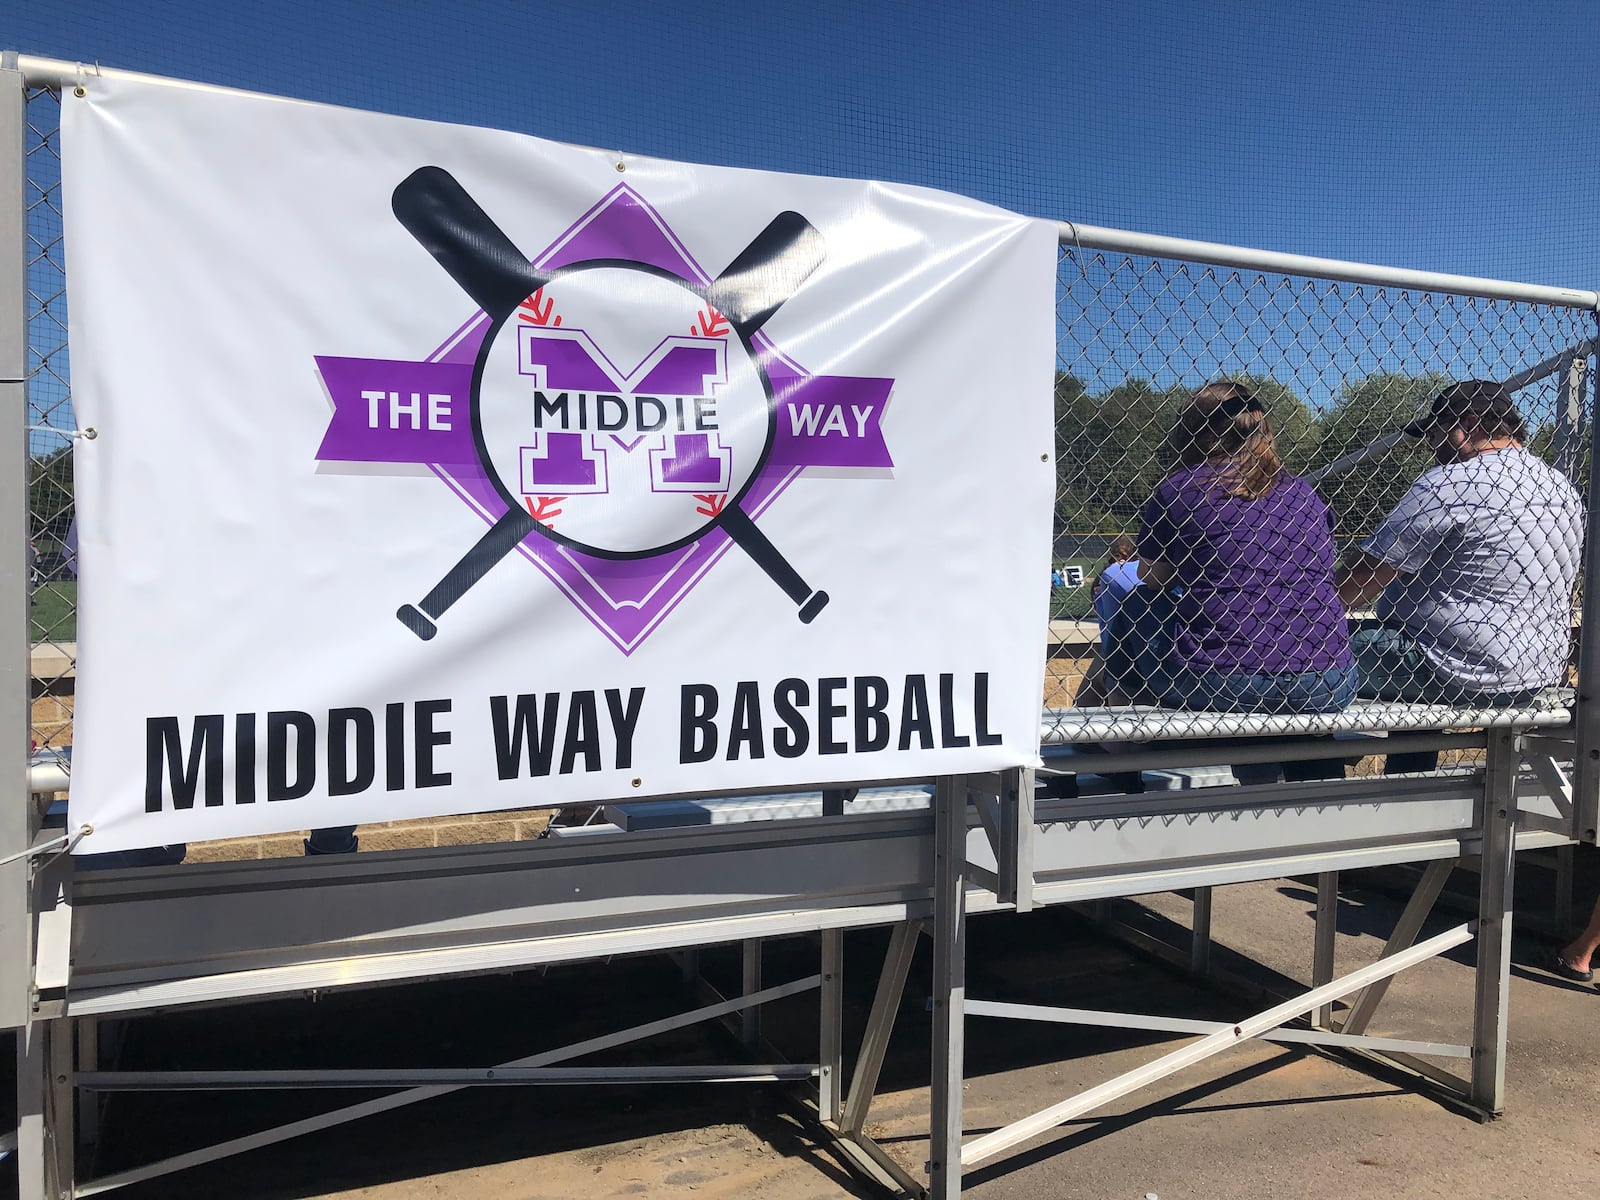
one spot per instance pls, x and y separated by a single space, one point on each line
1095 237
16 824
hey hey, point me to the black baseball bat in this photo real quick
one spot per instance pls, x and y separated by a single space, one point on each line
436 210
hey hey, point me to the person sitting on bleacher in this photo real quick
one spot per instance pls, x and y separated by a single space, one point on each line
1239 612
1116 581
1474 568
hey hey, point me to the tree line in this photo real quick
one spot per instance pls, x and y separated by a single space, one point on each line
1110 447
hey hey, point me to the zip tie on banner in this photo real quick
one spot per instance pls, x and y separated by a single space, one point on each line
88 434
1077 242
79 90
67 841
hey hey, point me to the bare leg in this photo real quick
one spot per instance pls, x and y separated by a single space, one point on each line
1576 954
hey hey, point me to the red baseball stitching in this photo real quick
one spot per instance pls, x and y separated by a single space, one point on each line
712 323
530 310
546 512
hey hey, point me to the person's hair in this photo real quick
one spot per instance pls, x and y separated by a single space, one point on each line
1123 549
1224 424
1500 425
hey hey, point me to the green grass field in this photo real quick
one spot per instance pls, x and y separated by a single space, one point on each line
1072 604
53 616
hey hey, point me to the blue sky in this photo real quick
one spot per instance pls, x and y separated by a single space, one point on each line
1453 136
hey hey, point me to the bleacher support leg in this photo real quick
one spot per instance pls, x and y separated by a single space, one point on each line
44 1111
830 1050
880 1024
31 1158
62 1088
1406 929
1014 853
1200 937
1564 877
88 1030
750 1018
1322 952
949 985
1494 923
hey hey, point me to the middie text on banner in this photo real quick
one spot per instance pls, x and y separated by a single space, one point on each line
440 469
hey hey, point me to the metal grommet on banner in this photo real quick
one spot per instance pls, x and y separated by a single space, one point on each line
621 166
88 434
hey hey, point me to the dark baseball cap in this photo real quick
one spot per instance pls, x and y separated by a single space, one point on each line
1489 402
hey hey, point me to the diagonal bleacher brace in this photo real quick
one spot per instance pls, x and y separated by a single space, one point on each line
983 1148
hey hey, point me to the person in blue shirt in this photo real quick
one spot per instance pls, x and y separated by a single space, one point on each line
1116 581
1107 591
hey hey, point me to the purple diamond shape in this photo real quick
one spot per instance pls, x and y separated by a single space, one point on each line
624 599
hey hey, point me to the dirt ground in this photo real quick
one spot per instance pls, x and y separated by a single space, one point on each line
1258 1122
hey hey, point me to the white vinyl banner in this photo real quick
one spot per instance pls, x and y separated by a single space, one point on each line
438 469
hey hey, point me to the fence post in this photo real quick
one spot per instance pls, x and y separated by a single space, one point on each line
1495 890
16 823
949 985
1586 775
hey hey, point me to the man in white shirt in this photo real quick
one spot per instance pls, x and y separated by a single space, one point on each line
1474 569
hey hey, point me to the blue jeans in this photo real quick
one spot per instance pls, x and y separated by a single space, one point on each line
1327 691
1141 663
1393 667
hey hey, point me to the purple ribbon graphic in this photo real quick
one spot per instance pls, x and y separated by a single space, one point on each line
828 420
417 412
397 412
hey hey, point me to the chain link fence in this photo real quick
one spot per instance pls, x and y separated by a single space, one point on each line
1307 551
52 566
1304 444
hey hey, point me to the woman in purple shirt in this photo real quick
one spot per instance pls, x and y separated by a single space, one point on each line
1241 613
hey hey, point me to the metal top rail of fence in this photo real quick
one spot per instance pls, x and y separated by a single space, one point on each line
1095 237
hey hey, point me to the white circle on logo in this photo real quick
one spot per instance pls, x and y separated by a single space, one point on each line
626 428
